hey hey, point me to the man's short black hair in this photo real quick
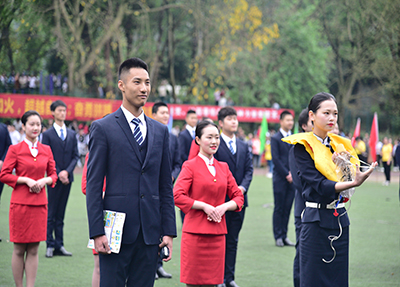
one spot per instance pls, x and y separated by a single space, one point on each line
54 105
226 111
190 112
131 63
284 114
157 105
303 119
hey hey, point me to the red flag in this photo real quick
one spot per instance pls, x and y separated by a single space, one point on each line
374 137
356 132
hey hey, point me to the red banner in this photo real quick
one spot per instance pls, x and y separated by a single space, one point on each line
88 109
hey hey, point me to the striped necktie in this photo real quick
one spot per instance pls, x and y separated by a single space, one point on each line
231 147
137 134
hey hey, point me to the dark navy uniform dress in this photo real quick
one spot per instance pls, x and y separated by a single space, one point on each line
317 226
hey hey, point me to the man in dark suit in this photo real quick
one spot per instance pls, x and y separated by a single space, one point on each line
187 136
63 144
132 151
299 203
5 142
237 155
282 181
161 114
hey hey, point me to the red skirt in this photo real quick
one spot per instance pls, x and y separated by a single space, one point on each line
202 259
28 223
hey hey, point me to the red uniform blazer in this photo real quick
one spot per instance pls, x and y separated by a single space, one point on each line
194 150
84 176
19 157
195 182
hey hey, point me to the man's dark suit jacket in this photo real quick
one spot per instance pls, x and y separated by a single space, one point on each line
280 157
299 203
242 168
5 141
65 152
185 141
142 190
175 156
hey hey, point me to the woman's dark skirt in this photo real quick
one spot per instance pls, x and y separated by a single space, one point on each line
315 246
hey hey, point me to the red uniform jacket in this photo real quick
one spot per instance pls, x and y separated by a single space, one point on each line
84 174
19 157
194 150
195 182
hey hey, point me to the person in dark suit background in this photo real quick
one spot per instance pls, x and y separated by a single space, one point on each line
237 155
187 136
5 142
282 181
63 144
161 114
397 156
132 151
299 203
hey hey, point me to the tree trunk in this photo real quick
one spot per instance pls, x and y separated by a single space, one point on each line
171 53
5 42
109 73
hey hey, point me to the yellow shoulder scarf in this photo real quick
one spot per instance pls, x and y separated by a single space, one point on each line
320 154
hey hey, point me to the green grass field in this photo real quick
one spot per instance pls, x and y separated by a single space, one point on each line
374 242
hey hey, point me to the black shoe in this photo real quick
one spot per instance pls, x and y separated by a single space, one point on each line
162 273
287 242
49 252
156 277
279 242
62 252
232 284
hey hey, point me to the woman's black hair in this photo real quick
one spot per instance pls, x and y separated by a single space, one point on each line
201 126
316 101
27 114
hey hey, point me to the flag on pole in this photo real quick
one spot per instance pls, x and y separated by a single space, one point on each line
356 132
170 120
374 137
263 133
296 128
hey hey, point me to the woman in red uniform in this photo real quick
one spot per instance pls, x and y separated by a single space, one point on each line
28 208
200 192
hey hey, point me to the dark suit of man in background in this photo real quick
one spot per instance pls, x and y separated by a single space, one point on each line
299 203
132 151
282 181
5 142
63 144
237 155
161 114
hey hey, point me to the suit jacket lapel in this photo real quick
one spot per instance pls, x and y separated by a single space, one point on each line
150 139
227 150
122 122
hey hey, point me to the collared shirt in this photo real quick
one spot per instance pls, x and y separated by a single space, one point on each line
58 130
285 134
32 147
129 117
228 139
209 163
326 141
192 131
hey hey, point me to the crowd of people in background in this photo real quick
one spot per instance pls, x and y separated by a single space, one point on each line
31 83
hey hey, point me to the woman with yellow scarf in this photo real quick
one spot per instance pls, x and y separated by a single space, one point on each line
320 263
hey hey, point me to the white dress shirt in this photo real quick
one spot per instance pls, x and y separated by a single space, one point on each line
58 130
32 147
228 139
192 131
129 117
285 134
209 163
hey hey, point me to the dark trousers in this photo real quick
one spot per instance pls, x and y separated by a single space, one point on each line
386 167
234 223
283 201
134 265
58 198
296 263
1 188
